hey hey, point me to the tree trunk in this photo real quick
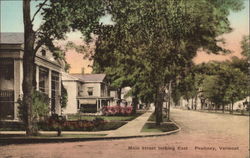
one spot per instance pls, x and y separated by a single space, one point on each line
119 93
202 103
158 105
169 99
195 103
134 104
188 104
28 68
232 107
192 103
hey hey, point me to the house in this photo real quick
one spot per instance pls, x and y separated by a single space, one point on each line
48 75
126 100
87 93
114 95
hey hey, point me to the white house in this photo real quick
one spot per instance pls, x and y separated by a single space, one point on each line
87 93
48 75
126 99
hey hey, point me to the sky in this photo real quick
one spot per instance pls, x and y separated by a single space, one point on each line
11 21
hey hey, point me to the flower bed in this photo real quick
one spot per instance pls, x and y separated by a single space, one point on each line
81 125
98 124
117 110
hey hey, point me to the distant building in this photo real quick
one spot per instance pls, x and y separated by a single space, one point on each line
87 93
48 75
126 100
114 95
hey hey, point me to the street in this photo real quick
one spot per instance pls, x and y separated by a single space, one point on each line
203 135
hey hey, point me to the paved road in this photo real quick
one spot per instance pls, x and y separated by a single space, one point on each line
201 136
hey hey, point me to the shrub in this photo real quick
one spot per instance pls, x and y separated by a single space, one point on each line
116 110
64 97
40 106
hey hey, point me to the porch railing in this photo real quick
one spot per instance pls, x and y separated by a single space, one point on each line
6 104
6 95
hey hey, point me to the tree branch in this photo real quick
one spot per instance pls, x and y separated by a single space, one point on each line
39 44
33 18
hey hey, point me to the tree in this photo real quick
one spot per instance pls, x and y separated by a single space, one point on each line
223 83
161 37
59 17
214 90
245 46
188 88
238 86
64 97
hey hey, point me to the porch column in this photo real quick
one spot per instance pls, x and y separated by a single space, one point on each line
100 103
58 106
97 104
37 77
49 85
18 77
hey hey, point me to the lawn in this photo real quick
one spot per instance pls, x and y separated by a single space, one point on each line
106 118
152 118
111 123
164 127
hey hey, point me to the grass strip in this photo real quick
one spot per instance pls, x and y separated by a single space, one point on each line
164 127
152 118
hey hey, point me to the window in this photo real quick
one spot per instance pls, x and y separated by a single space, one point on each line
54 91
43 52
7 69
90 91
43 79
79 87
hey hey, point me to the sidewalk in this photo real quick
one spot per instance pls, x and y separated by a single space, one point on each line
132 128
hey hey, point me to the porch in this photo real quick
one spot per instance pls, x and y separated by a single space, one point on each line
92 105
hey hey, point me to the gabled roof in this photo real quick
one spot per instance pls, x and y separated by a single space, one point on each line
90 77
11 38
68 77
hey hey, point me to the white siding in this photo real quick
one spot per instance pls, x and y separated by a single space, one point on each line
96 89
71 88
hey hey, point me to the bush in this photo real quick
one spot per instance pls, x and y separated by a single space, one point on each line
40 107
117 110
64 97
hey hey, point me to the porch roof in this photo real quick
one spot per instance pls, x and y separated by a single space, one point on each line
11 38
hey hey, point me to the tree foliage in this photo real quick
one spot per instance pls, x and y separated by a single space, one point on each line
245 46
221 83
151 42
40 106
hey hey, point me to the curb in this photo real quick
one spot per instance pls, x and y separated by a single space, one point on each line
11 141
